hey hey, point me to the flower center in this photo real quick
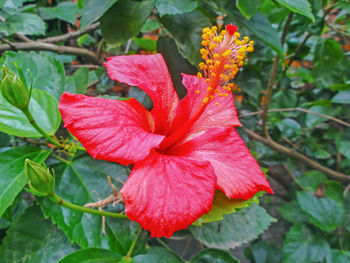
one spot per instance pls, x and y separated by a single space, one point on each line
223 54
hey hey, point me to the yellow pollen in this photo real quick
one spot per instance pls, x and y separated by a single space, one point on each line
205 100
217 63
202 66
204 51
205 30
223 32
207 80
225 94
209 88
204 43
216 39
217 103
214 29
250 49
213 74
199 75
236 35
227 66
226 53
246 39
251 42
209 61
216 55
238 43
211 97
197 91
212 47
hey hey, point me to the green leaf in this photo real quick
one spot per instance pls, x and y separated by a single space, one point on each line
91 255
292 212
66 11
35 66
338 256
213 255
141 97
260 27
342 97
248 7
75 182
303 245
312 120
324 213
284 99
34 239
334 190
264 252
25 23
188 38
94 9
172 7
44 109
157 255
311 180
147 44
222 205
129 15
289 127
235 229
12 172
301 7
78 82
150 25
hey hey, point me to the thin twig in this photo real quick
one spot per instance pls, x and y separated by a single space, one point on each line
299 109
289 172
272 79
298 156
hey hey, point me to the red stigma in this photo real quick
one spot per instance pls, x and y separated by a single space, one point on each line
231 29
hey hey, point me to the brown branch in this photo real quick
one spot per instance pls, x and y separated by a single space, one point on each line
71 35
300 157
50 47
299 109
272 79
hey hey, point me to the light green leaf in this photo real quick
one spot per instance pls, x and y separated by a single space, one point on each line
90 255
94 9
36 65
75 183
172 7
222 205
150 25
25 23
324 213
342 97
34 239
312 120
147 44
77 84
157 255
311 180
66 11
248 7
188 38
235 229
292 212
303 245
44 109
213 255
129 15
301 7
338 256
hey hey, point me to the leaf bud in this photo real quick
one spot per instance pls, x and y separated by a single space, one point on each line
40 180
13 89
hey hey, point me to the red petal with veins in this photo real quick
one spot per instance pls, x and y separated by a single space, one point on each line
111 130
238 173
224 115
167 193
149 73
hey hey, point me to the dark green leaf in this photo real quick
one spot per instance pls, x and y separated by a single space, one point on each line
34 239
292 212
78 82
44 110
334 190
94 9
66 11
26 23
284 99
12 172
172 7
324 212
75 183
311 180
264 252
36 65
186 29
235 229
248 8
213 255
13 212
301 7
289 127
141 97
303 245
129 15
342 97
312 120
338 256
157 255
92 255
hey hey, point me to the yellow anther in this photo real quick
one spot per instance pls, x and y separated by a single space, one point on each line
204 43
205 30
209 61
207 80
240 64
250 49
251 42
242 50
213 75
220 95
230 85
225 94
209 88
246 39
216 39
221 37
212 47
199 75
227 66
197 91
236 35
211 97
205 57
217 103
223 32
214 29
204 37
205 100
217 63
226 53
216 55
204 51
232 74
211 67
239 58
238 43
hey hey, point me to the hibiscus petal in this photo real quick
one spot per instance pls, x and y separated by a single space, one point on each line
111 130
224 115
238 173
149 73
167 193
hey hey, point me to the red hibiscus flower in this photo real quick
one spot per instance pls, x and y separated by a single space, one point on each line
182 150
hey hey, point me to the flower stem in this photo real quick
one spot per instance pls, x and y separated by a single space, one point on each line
133 245
58 200
37 127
